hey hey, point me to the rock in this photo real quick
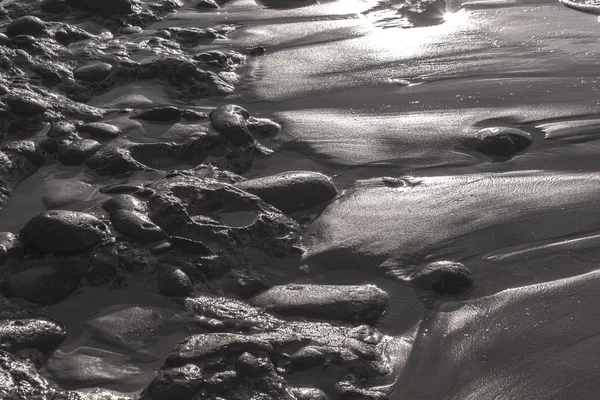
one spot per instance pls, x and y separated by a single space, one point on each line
113 161
222 382
58 192
105 7
258 51
94 72
364 303
306 358
27 149
176 383
208 4
62 128
44 284
502 141
247 365
3 42
292 191
174 282
101 130
350 391
247 287
124 202
136 226
130 30
10 246
25 105
54 6
162 114
443 277
27 25
208 345
190 246
39 333
230 121
47 71
308 394
77 152
62 232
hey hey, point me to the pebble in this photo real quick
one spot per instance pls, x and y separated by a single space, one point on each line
77 152
27 25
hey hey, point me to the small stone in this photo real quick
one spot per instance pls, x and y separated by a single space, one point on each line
308 394
292 191
54 6
502 141
61 129
222 382
190 246
247 365
176 383
44 284
94 72
124 202
47 71
27 25
4 41
208 4
306 358
101 130
258 51
77 152
174 282
230 121
247 287
26 105
39 333
62 232
27 149
136 226
443 277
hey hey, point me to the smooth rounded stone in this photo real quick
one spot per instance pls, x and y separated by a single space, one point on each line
105 7
101 130
124 202
61 129
44 284
364 303
247 287
77 152
136 226
222 382
26 105
160 114
502 141
94 72
208 4
443 277
174 282
308 394
27 25
91 366
3 88
230 121
48 72
27 149
176 383
208 345
39 333
258 51
54 6
63 232
3 42
306 358
247 365
58 192
292 191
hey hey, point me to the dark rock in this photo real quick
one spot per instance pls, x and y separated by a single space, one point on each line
24 41
10 246
120 189
94 72
113 161
38 333
136 226
174 282
364 303
308 394
44 284
130 30
104 7
443 277
292 191
176 383
208 345
222 382
77 152
190 246
61 129
101 130
208 4
350 391
26 105
501 141
48 145
162 114
3 42
306 358
101 273
27 149
247 287
27 25
258 51
62 232
124 202
47 71
230 121
248 365
54 6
